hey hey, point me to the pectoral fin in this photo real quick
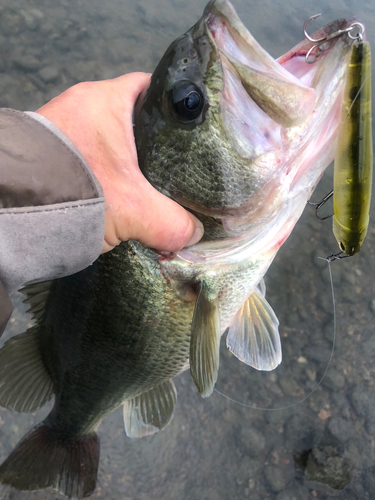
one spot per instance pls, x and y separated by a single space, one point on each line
151 411
262 287
205 341
254 336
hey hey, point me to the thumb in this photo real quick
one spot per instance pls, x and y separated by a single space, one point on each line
161 223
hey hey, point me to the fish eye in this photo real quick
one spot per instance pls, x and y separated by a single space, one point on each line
188 100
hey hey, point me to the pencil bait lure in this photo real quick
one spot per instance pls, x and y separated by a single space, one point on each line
354 155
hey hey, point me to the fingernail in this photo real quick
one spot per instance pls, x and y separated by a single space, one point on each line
198 233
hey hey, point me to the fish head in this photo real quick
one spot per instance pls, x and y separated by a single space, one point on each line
232 134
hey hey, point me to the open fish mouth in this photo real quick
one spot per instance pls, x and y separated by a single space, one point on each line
281 95
282 116
274 94
233 134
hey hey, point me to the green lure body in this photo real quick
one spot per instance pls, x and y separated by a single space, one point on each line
353 162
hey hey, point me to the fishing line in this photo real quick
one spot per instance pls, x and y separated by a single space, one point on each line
328 260
325 371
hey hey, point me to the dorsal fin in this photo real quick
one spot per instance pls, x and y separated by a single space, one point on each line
253 336
205 341
151 411
36 296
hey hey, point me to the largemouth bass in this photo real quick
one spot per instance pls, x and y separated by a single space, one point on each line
239 139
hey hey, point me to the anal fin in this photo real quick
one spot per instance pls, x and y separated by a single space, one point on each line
253 336
151 411
205 341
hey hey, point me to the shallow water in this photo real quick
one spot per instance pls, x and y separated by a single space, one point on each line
215 449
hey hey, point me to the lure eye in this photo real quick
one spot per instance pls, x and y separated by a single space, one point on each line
188 100
342 246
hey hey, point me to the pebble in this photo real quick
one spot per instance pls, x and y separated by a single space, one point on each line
369 481
341 403
360 449
286 495
3 64
341 428
333 379
298 429
32 18
319 400
319 351
347 295
275 478
368 346
362 400
49 74
11 23
324 414
311 373
290 386
247 471
27 63
328 331
117 52
297 492
252 440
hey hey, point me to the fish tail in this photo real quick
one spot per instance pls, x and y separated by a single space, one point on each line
42 459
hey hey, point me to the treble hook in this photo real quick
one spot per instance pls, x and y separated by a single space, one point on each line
335 34
319 204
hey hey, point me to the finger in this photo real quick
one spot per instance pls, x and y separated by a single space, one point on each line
167 226
151 218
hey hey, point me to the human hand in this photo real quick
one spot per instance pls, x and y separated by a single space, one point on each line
97 118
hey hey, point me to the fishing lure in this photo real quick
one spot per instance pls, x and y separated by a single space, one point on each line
353 162
354 156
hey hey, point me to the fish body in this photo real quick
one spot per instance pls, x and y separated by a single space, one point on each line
354 157
139 349
239 139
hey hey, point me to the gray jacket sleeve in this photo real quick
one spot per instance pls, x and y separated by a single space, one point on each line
51 205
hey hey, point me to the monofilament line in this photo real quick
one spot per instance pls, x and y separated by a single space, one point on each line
325 371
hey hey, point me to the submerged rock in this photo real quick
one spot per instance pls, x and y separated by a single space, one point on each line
326 465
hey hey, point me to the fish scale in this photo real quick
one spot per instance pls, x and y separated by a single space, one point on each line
157 342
